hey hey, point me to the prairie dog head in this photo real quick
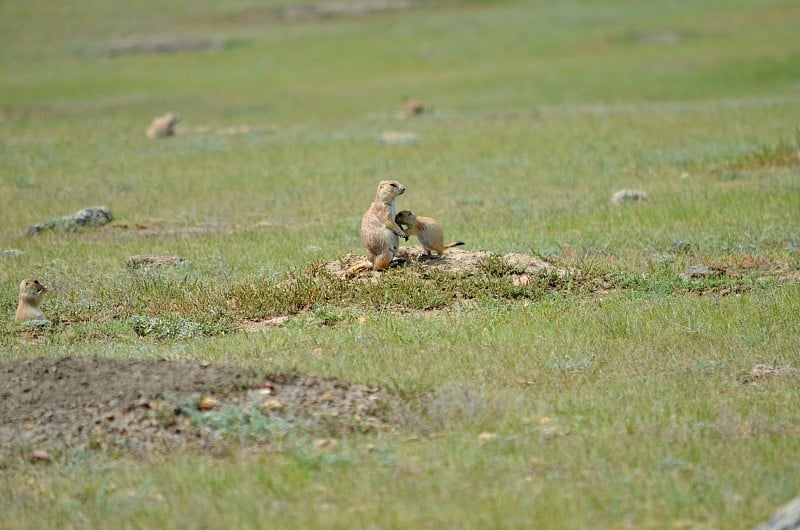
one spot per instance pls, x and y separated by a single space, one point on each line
405 218
414 107
171 118
31 291
389 190
163 126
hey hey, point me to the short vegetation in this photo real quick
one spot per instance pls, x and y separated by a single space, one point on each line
646 379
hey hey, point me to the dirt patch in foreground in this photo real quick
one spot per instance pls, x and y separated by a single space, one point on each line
146 404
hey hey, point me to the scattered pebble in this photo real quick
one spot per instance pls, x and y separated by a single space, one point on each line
623 196
397 138
325 443
761 370
93 216
696 272
208 403
135 262
786 518
35 324
40 455
252 326
159 44
271 404
485 437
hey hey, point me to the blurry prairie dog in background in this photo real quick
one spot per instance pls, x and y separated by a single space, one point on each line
427 230
31 293
163 126
413 107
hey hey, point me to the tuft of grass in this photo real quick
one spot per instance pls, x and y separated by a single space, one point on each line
783 154
495 266
610 398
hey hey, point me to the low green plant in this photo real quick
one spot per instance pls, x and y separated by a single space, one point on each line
619 394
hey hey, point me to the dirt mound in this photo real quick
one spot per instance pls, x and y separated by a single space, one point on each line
146 404
457 261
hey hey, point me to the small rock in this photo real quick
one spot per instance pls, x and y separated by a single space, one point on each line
207 403
271 404
34 325
762 370
11 253
135 262
266 388
325 443
40 455
92 216
277 321
396 137
786 518
485 437
623 196
695 272
158 44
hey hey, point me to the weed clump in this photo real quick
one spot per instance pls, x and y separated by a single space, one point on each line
178 327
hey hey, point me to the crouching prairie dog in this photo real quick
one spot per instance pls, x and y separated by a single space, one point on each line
31 293
163 126
379 231
427 230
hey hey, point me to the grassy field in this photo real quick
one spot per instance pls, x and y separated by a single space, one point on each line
613 400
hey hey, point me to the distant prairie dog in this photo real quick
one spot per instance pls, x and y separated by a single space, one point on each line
31 293
413 107
379 231
427 230
163 126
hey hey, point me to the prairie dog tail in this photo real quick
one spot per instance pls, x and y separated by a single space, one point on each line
454 244
355 269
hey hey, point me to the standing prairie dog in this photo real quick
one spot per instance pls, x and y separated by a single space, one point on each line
427 231
31 293
379 231
163 126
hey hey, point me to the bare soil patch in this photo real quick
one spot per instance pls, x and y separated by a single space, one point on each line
456 261
142 405
158 44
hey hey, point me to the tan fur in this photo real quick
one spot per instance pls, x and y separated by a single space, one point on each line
163 126
427 230
379 231
413 107
31 293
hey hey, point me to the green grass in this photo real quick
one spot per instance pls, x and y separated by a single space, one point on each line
614 394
